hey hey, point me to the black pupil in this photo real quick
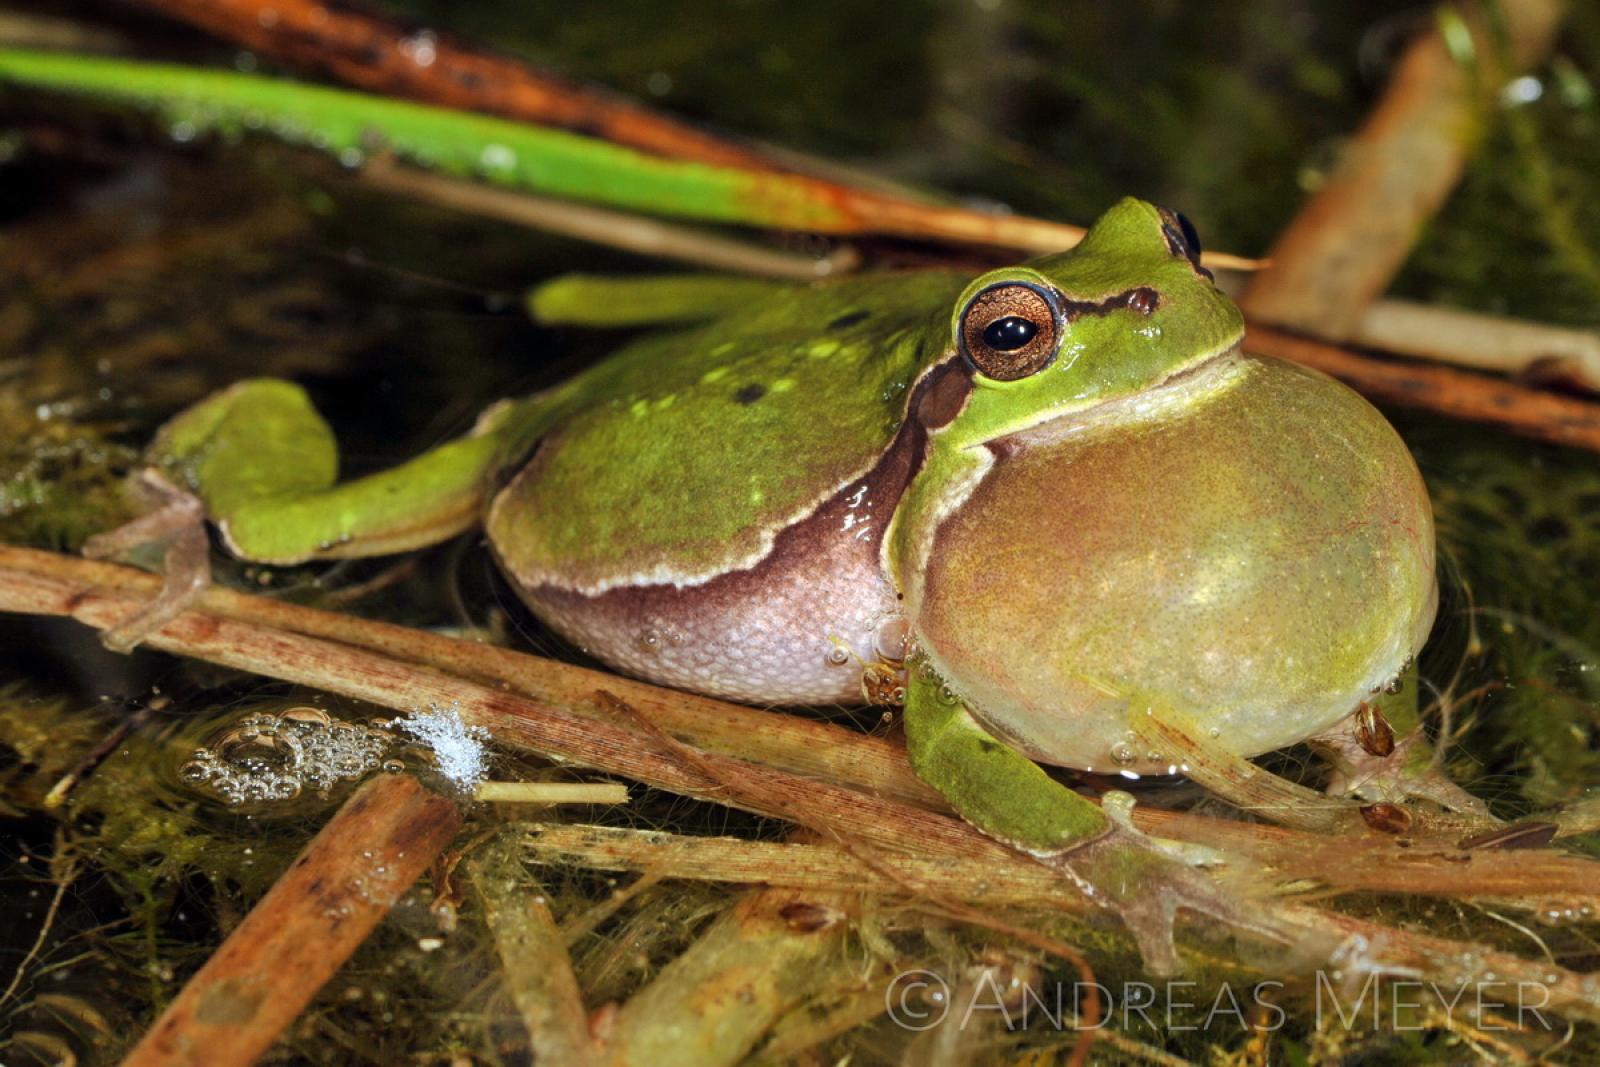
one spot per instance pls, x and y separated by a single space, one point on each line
1010 333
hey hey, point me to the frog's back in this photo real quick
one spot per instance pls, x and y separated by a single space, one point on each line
709 512
685 451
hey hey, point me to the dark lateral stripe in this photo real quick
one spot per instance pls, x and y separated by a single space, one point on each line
1142 299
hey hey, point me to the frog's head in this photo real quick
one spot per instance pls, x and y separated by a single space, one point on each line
1127 309
1117 504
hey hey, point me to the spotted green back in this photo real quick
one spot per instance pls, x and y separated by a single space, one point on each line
683 454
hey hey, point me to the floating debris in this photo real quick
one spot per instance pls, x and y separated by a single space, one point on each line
460 751
277 756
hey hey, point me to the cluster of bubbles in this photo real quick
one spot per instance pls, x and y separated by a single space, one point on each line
266 757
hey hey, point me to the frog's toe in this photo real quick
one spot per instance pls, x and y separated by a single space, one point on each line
177 519
1148 881
1407 773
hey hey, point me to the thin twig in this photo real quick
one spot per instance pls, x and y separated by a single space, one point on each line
68 782
615 229
1534 351
551 792
63 880
1459 394
1347 242
538 970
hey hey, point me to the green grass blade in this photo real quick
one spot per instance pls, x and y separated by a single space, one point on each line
352 126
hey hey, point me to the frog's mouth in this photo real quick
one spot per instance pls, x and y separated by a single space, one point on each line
1180 393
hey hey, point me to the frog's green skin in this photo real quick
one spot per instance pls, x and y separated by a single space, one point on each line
766 499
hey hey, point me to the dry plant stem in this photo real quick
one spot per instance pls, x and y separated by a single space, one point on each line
551 793
828 869
854 780
813 868
1348 241
1551 417
46 583
538 971
615 229
840 776
1365 863
713 1003
303 930
1517 347
1240 782
788 742
515 721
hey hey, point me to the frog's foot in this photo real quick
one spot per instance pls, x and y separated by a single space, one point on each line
179 519
1147 880
1390 773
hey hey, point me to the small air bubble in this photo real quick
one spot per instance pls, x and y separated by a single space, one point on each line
1123 752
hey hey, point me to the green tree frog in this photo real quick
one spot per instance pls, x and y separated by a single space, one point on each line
1035 501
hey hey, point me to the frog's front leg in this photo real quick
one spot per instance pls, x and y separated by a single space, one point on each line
260 462
1380 754
1010 798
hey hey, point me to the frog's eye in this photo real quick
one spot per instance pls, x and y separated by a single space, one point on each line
1011 330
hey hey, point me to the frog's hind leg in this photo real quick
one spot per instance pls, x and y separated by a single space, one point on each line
1190 752
259 461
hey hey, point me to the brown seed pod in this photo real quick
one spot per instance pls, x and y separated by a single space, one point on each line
1373 730
1387 818
805 917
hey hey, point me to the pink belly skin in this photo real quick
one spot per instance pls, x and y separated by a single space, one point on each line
797 628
